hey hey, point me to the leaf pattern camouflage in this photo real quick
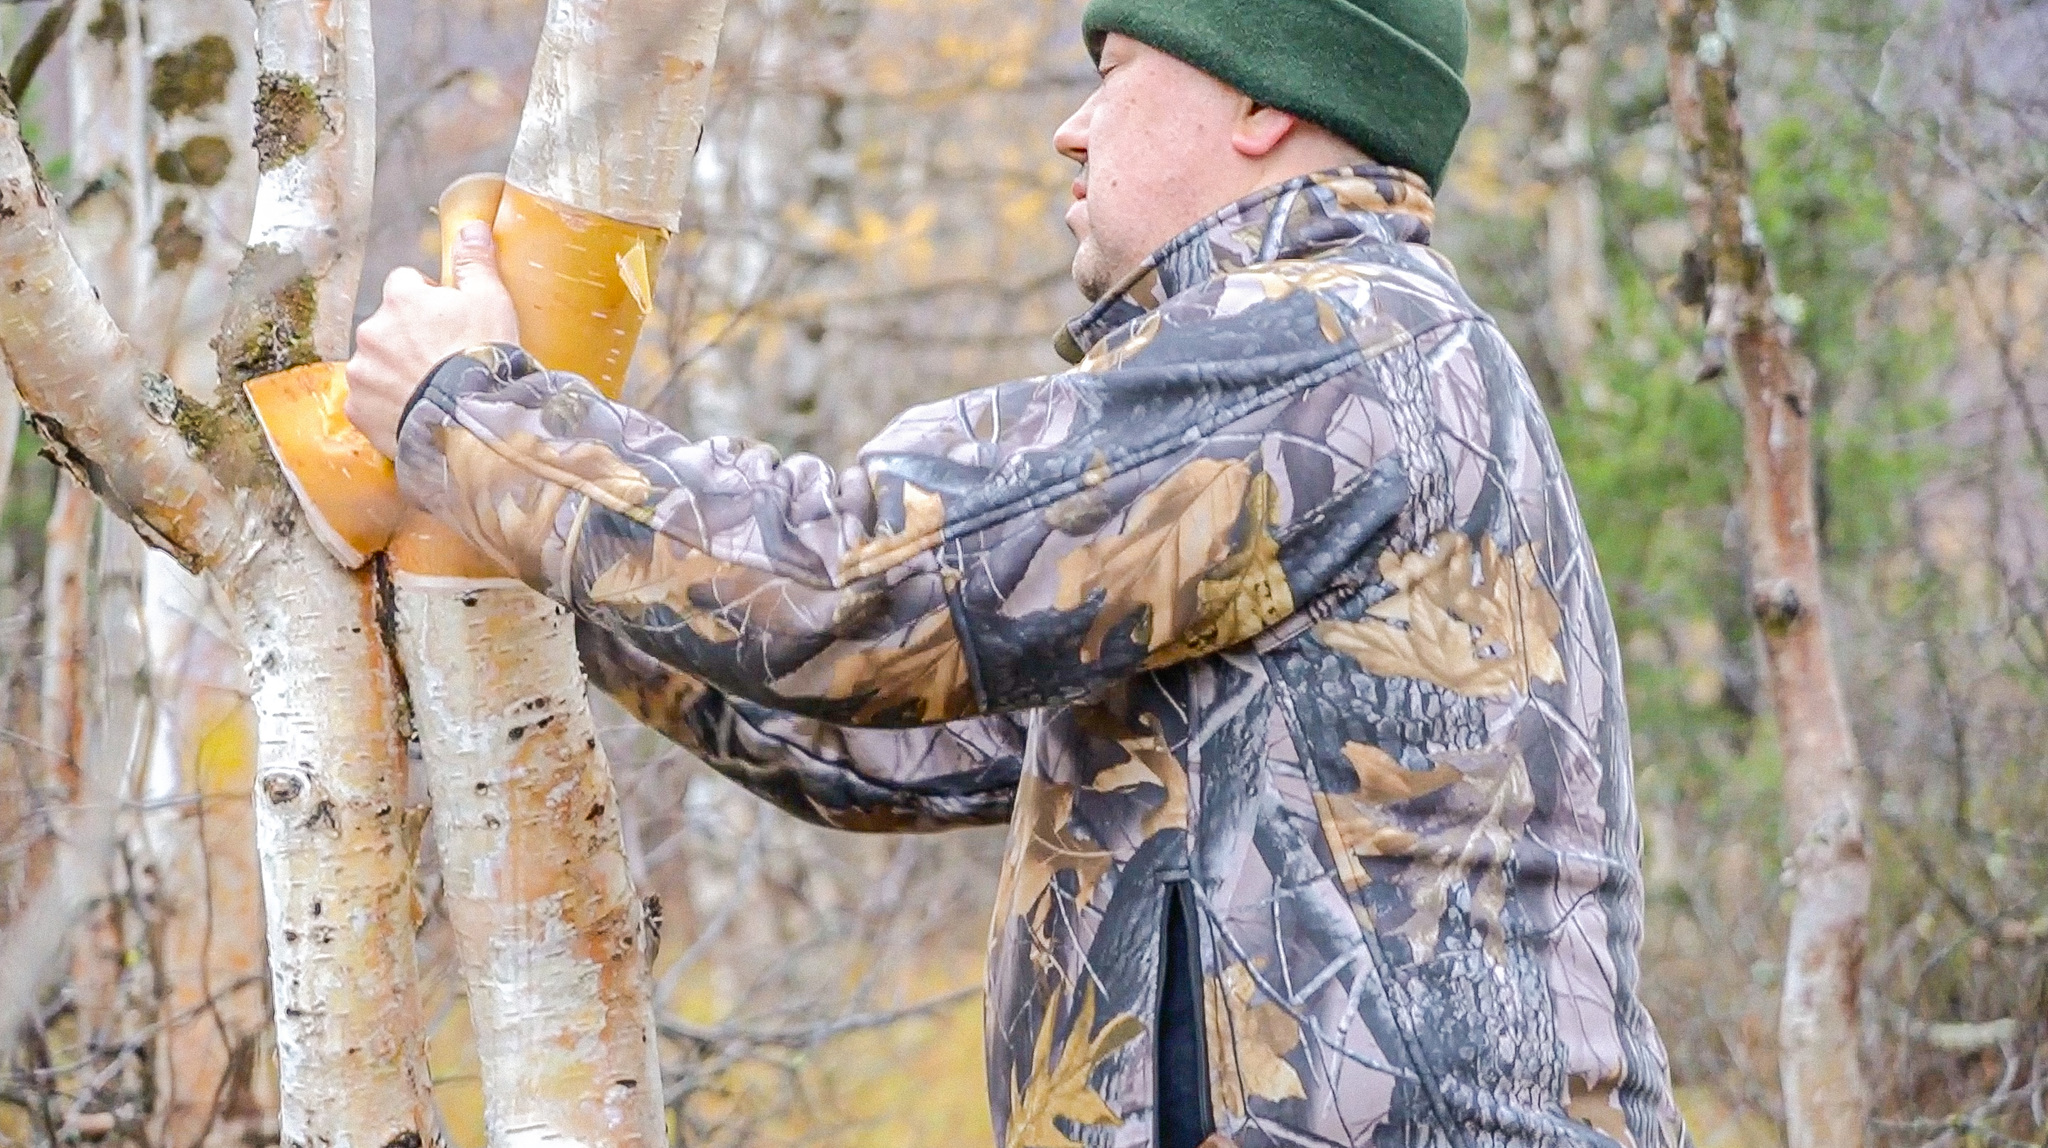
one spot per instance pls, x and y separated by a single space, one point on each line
1279 598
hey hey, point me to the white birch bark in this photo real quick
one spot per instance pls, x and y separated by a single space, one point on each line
555 946
10 431
330 784
60 721
198 823
200 184
615 106
330 807
195 479
548 929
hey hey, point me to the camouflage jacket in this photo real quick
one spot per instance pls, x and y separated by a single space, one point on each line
1273 616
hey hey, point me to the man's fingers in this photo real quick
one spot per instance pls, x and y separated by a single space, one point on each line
404 280
476 257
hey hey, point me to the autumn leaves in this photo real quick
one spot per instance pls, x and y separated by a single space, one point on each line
1436 827
1476 623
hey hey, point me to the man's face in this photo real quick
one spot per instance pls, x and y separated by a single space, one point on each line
1154 145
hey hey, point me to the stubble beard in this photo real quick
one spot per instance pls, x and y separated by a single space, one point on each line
1094 271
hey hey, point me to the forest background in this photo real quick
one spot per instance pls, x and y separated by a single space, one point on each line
876 222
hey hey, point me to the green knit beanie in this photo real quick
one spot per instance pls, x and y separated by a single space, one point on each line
1387 75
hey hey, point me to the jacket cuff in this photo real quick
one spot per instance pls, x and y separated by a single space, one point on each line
478 370
472 401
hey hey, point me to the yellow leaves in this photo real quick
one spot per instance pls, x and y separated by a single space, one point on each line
907 238
662 575
1246 592
1059 1087
1148 762
927 671
924 516
224 758
1025 208
1479 623
1173 569
1042 845
1254 1035
1481 802
1595 1102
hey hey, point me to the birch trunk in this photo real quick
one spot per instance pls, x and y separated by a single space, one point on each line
556 948
330 782
10 434
1827 1101
60 720
195 479
213 1084
1556 61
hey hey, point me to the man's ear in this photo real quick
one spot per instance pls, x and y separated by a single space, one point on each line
1260 129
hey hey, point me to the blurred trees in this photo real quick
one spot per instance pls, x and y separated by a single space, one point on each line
876 222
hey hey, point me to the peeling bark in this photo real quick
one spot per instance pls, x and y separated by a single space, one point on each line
330 780
552 938
615 106
194 477
1827 1102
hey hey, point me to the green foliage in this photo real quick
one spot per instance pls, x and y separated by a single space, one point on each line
1827 219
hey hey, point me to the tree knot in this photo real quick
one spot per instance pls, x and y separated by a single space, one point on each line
1776 604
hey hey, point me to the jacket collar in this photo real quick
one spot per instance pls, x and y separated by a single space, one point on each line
1299 219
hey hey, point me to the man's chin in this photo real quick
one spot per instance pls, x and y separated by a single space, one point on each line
1091 272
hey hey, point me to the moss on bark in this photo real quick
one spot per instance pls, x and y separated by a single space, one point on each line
201 161
192 78
289 118
271 327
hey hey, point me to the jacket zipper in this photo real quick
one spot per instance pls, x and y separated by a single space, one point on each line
1180 1041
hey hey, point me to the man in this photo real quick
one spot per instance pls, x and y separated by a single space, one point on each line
1271 627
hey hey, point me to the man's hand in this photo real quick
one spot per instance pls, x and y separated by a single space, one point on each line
418 325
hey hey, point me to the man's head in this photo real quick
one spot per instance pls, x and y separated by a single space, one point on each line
1203 102
1162 144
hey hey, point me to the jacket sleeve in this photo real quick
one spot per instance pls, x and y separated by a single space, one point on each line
1206 472
866 780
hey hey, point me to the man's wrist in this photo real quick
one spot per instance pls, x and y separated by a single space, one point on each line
462 373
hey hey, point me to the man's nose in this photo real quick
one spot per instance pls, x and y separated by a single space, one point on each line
1071 140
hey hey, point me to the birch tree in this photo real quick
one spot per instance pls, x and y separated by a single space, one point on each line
161 124
1819 1035
191 474
556 948
1556 62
